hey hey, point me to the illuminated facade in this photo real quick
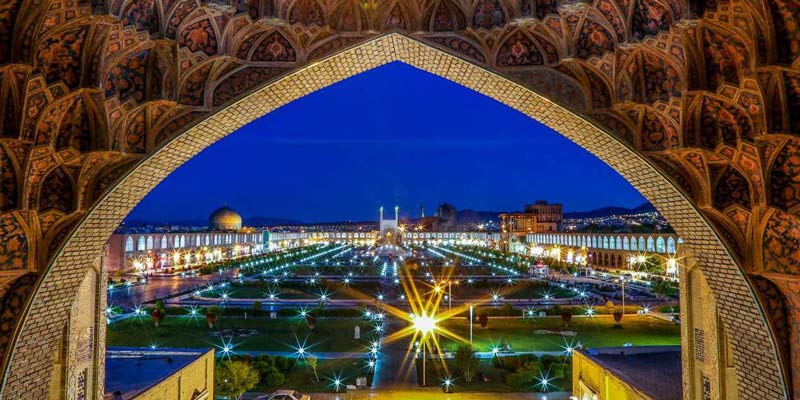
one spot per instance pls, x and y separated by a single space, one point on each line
464 238
276 240
153 252
611 250
293 239
548 216
537 217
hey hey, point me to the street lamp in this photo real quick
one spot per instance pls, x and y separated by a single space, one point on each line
471 319
424 324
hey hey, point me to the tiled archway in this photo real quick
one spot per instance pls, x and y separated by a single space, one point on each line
760 369
706 92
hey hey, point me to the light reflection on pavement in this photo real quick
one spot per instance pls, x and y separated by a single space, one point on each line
159 287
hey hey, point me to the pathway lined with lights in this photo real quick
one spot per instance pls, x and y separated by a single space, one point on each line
486 261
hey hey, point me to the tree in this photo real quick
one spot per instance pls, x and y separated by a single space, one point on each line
467 362
483 319
559 370
566 316
311 361
211 315
618 317
274 378
663 289
311 321
157 315
233 378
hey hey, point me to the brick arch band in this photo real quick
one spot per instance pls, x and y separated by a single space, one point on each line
757 361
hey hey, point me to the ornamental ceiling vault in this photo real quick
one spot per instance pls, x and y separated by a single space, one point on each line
708 92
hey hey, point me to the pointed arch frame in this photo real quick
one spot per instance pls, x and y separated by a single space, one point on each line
760 372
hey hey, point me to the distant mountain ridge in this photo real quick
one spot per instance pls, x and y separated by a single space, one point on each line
270 221
473 216
611 210
468 216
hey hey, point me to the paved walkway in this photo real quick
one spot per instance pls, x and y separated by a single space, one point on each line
395 369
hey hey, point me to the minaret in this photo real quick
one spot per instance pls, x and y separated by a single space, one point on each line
421 211
381 219
397 214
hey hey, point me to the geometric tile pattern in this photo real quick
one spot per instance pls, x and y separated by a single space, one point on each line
697 105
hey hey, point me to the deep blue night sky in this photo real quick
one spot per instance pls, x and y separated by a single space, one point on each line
394 135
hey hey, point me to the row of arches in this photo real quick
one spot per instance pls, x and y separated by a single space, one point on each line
662 244
178 241
607 259
447 235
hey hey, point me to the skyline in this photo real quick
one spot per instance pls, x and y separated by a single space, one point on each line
407 213
425 143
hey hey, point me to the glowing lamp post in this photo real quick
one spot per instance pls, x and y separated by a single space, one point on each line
471 319
424 325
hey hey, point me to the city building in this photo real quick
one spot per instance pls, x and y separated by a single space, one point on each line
537 217
159 374
628 373
153 252
548 216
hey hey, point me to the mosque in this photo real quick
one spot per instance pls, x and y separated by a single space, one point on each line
153 250
224 219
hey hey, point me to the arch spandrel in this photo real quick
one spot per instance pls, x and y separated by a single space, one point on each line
178 77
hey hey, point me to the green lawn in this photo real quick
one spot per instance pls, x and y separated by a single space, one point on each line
302 379
273 335
294 290
520 290
525 292
598 331
298 291
251 292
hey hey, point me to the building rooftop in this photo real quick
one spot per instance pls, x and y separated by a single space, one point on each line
654 370
132 370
